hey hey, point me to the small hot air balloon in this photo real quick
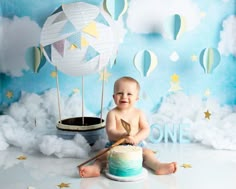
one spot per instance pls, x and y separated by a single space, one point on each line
209 59
174 26
116 8
145 62
34 58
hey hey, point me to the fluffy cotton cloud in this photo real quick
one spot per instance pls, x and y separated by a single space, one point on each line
227 44
53 145
150 16
30 124
16 35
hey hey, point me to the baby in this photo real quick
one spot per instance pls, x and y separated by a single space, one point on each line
126 94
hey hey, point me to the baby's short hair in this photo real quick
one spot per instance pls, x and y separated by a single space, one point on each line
127 78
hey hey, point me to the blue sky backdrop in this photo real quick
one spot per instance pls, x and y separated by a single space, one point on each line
208 24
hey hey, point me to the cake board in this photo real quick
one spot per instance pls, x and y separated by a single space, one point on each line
141 176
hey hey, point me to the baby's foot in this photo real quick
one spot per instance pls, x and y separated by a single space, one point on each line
166 168
89 171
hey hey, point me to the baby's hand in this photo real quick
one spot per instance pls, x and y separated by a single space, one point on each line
130 140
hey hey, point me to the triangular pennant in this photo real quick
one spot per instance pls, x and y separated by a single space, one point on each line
84 42
100 18
59 46
48 51
59 18
72 47
68 28
91 53
75 39
59 9
91 29
42 62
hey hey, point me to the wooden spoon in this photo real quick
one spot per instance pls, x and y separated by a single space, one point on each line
103 152
126 126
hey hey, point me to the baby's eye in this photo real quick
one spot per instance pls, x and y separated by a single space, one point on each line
129 94
119 93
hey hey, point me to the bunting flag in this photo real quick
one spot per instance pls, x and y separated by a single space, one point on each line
59 46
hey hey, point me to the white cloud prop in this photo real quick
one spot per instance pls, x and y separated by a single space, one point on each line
52 145
19 128
150 16
227 44
16 35
219 132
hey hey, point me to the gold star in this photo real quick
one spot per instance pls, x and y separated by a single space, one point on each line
175 78
174 87
104 75
194 58
9 94
53 74
207 114
207 92
186 165
76 90
22 157
63 185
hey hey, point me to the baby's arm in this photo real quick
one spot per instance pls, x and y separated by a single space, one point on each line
144 129
111 128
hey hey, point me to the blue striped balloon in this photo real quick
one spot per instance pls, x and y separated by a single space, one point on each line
209 59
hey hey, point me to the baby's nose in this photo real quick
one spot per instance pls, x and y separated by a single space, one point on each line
124 95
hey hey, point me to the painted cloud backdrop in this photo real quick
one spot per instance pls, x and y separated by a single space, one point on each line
12 61
150 16
227 44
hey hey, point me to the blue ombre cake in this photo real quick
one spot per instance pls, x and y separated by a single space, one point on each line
125 161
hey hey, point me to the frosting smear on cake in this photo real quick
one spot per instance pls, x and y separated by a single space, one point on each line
125 160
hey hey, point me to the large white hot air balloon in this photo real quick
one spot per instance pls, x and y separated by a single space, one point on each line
79 39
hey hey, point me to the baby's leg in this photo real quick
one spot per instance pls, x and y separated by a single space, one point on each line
166 168
159 168
91 170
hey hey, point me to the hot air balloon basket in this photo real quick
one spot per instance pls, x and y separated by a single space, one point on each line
91 128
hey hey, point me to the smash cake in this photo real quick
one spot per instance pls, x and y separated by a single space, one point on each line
125 161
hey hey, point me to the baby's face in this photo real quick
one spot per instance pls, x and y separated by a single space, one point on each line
125 94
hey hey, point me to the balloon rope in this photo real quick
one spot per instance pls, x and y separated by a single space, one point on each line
102 98
82 100
58 94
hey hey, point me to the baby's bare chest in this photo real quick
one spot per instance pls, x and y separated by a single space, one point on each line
132 120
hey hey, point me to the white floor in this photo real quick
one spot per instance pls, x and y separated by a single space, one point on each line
211 169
